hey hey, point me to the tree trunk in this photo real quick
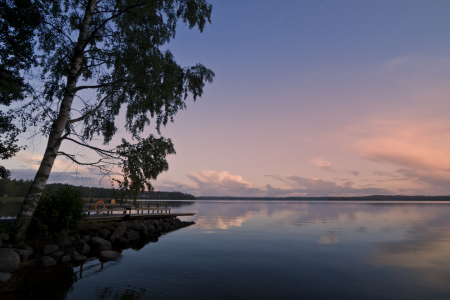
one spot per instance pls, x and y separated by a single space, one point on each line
31 201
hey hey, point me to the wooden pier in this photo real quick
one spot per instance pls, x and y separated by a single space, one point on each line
101 210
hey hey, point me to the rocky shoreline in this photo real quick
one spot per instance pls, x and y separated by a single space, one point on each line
104 241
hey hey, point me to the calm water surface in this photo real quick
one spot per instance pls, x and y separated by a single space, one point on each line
275 250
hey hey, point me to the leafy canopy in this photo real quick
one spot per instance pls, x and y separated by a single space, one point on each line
18 22
122 63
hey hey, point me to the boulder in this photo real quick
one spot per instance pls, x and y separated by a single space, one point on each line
56 255
9 260
94 234
132 235
4 277
24 246
72 252
4 236
118 232
65 242
150 228
100 249
99 242
82 247
80 258
109 255
47 261
158 229
110 227
121 242
64 259
104 233
121 224
1 243
85 238
49 249
23 254
139 227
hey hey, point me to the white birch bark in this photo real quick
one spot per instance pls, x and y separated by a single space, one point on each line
31 201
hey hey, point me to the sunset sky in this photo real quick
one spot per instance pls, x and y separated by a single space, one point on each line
312 98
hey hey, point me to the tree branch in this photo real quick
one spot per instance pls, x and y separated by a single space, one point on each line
103 152
88 113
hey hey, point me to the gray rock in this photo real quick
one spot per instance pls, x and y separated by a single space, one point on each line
80 258
150 228
1 243
9 246
100 249
132 235
118 232
82 247
85 238
56 255
109 255
23 254
4 236
9 260
110 227
121 224
47 261
98 242
24 246
4 277
64 259
65 242
49 249
94 234
71 251
139 227
121 242
158 229
104 233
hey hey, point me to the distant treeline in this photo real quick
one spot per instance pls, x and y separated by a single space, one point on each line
19 188
362 198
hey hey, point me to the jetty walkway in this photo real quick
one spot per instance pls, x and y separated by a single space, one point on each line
101 210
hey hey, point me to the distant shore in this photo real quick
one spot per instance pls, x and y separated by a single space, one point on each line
362 198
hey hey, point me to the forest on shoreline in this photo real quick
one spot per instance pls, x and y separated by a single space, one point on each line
19 188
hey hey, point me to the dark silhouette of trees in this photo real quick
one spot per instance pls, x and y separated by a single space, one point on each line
18 21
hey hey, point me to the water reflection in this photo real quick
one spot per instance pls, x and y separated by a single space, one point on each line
267 250
120 293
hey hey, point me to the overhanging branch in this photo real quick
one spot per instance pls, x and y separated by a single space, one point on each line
89 113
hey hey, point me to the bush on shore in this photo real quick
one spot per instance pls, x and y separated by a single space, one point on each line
59 210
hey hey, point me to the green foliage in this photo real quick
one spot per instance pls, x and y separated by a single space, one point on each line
114 51
58 210
18 22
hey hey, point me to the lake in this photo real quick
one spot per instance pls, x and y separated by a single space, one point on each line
274 250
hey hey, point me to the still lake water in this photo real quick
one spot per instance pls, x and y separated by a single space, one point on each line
275 250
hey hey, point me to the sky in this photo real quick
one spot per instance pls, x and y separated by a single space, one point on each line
310 98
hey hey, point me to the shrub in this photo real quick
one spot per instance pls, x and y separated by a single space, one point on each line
58 210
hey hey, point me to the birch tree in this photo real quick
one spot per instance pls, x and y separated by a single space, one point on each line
111 51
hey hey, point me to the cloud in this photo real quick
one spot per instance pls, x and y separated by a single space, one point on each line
314 187
325 165
212 183
419 152
322 164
